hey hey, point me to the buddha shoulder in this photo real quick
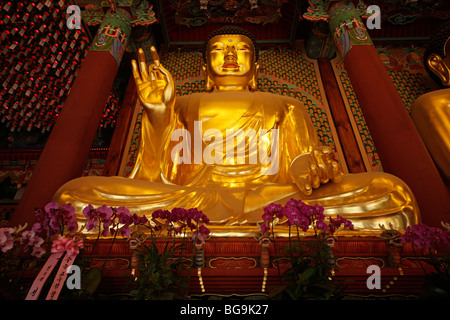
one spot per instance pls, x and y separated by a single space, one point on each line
436 98
284 104
434 102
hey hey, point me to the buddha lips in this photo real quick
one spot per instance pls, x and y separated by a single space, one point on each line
211 148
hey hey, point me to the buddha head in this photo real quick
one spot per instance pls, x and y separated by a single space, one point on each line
437 56
230 59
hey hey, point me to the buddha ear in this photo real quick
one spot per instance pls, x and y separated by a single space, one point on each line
253 84
208 82
438 67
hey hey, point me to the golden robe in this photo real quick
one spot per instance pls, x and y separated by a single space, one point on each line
234 193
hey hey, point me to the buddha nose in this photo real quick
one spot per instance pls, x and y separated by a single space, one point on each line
230 54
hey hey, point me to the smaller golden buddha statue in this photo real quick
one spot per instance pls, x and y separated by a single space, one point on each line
431 111
234 150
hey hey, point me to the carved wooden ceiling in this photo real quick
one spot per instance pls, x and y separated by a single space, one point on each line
183 22
188 22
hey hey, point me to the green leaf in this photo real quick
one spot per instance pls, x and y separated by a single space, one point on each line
91 280
307 274
275 291
166 296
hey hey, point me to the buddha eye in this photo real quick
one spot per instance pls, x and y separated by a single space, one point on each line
243 48
217 48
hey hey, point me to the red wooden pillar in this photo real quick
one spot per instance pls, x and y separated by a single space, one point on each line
397 141
67 149
346 135
119 139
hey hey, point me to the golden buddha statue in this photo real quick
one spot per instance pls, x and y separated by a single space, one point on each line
232 151
431 111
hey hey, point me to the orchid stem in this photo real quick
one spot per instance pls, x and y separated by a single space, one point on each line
109 251
276 255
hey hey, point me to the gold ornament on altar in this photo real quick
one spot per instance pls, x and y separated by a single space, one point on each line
233 151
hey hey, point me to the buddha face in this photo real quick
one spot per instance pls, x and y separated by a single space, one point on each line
230 62
441 65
